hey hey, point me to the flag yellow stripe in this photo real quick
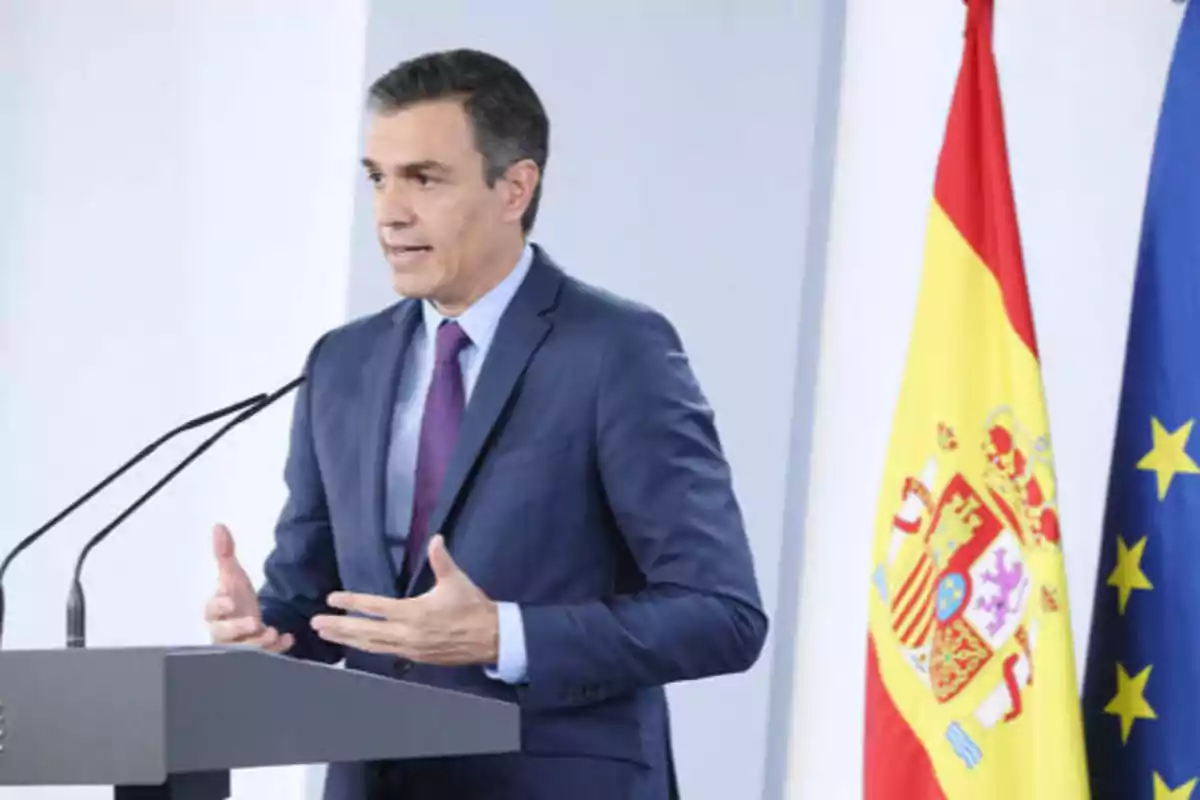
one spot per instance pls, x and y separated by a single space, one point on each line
969 374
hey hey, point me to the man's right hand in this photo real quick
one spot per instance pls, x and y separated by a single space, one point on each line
233 613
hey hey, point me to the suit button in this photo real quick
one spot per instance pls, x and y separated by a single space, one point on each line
402 667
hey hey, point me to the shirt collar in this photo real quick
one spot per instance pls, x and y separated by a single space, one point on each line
480 320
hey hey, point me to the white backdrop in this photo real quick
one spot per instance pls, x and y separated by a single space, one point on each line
1081 80
178 235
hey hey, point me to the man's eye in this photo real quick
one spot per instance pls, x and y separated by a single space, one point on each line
375 177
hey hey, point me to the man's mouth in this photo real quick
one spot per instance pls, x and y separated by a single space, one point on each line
403 256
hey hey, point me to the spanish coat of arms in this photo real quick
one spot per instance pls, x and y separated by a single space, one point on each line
959 577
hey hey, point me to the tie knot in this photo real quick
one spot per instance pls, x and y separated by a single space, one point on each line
451 339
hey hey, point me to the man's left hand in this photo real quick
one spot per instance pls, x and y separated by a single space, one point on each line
452 624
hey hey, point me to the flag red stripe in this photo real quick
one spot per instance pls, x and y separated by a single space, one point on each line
918 571
895 764
924 615
920 640
921 593
974 185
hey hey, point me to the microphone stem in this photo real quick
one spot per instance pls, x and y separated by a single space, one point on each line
90 493
76 625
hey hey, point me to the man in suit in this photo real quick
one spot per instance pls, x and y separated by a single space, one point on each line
509 483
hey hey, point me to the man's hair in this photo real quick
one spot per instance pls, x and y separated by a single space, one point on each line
508 120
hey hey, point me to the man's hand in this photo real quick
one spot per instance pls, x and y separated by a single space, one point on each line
233 613
452 624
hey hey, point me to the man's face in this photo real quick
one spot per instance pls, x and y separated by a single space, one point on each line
438 221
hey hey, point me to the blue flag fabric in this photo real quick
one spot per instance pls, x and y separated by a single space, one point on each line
1141 698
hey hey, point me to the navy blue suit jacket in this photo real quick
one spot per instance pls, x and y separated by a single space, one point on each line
588 485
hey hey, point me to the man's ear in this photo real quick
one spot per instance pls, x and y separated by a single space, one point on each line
521 179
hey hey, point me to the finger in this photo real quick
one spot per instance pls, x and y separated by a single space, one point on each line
365 634
235 631
364 643
370 604
380 630
283 644
268 639
218 607
226 554
440 562
222 539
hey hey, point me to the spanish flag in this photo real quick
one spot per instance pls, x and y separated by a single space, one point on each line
971 689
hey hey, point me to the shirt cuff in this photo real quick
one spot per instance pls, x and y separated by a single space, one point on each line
512 666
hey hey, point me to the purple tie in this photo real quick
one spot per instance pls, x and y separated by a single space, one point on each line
439 431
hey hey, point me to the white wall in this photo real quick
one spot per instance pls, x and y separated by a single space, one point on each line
1081 81
680 174
177 186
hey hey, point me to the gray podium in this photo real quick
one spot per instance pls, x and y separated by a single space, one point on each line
172 722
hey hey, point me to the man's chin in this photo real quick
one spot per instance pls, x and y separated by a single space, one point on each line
410 283
413 289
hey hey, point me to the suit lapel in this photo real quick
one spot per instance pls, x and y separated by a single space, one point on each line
381 379
521 331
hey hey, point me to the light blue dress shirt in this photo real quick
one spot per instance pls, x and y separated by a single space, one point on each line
479 322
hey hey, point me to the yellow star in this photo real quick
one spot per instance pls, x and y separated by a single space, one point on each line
1168 456
1164 792
1128 574
1130 702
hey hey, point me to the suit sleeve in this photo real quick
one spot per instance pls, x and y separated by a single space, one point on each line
301 569
669 488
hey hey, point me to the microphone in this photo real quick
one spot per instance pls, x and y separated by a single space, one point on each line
88 495
76 609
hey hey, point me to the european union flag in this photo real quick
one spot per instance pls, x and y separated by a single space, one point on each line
1142 689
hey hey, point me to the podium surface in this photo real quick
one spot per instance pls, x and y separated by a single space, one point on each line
172 722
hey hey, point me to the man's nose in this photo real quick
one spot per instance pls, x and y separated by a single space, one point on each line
393 209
